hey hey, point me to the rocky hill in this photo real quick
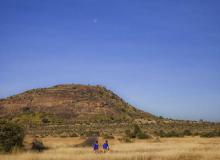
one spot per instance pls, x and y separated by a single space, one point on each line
69 103
80 109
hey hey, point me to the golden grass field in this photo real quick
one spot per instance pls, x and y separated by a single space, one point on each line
190 148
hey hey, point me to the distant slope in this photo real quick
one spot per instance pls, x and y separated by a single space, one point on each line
69 102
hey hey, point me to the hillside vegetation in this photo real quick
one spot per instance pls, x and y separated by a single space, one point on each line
76 110
70 102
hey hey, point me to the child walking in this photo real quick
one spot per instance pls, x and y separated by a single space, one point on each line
105 146
96 146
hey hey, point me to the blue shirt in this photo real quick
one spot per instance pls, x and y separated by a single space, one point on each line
95 146
105 146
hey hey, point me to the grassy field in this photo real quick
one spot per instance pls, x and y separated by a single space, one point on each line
191 148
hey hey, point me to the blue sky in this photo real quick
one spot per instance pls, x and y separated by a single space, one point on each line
160 56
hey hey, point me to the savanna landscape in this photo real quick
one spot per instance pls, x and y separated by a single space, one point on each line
64 121
109 80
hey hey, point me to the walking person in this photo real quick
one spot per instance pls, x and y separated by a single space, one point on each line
105 146
96 147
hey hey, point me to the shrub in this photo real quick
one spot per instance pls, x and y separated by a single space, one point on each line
170 134
11 135
210 134
38 145
26 109
92 133
64 135
88 142
195 134
45 120
143 136
218 133
161 117
107 136
125 139
73 134
161 133
187 132
207 134
129 134
136 132
174 134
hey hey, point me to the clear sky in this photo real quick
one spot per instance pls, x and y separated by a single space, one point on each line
160 56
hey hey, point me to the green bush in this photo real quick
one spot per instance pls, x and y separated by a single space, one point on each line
73 134
136 132
187 132
92 133
143 136
207 134
11 135
130 134
173 133
195 133
210 134
161 133
218 133
38 145
45 120
107 136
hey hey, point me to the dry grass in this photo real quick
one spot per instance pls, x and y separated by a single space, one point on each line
167 149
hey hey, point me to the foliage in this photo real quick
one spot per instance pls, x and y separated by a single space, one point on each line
215 133
11 135
107 136
172 133
125 139
38 145
143 136
136 132
187 132
45 120
129 134
73 134
35 118
91 133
